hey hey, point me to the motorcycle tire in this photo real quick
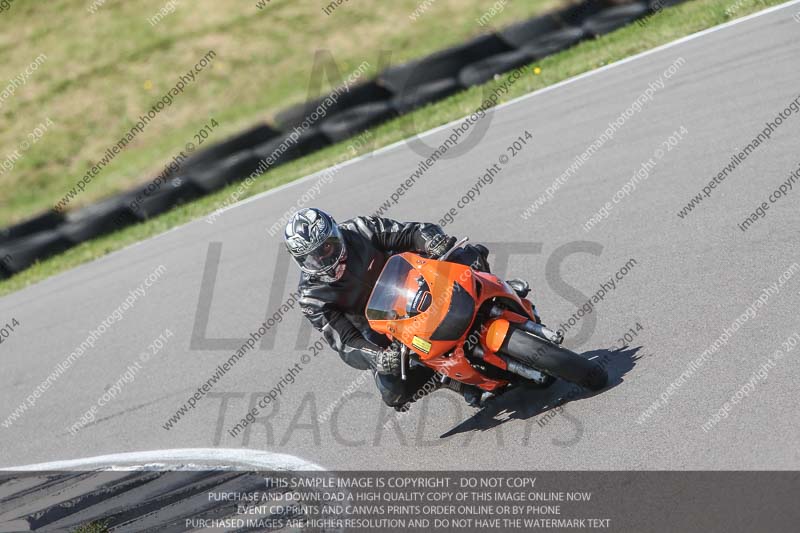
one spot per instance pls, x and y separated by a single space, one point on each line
554 360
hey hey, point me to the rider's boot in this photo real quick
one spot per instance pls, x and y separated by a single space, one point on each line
471 393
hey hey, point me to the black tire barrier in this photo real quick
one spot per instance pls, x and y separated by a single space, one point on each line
355 120
520 34
310 140
555 42
658 5
284 149
398 89
488 68
576 15
174 192
261 158
358 95
614 18
45 221
19 254
98 219
233 168
425 94
447 63
233 145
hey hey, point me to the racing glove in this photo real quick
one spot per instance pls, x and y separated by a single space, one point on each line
387 361
437 243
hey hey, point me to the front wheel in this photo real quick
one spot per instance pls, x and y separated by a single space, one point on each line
554 360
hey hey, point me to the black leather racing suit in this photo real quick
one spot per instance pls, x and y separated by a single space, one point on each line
336 308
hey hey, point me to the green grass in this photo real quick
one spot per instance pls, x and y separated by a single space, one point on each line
103 70
92 527
668 25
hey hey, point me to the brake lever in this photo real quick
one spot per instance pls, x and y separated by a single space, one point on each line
403 361
457 245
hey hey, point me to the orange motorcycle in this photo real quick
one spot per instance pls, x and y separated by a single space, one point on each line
470 326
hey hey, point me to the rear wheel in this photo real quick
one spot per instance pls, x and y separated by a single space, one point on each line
554 360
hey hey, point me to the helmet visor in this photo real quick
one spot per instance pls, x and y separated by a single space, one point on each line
325 256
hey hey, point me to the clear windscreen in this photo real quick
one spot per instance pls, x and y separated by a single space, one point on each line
401 292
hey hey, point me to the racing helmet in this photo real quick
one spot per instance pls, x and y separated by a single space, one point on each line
316 243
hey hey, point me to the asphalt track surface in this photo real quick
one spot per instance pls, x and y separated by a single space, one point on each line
693 277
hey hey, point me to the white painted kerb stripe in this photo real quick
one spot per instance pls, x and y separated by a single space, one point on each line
240 458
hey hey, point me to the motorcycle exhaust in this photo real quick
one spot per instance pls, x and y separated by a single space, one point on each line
524 371
515 367
542 331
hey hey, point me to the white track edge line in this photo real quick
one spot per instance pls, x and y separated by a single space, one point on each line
394 145
523 97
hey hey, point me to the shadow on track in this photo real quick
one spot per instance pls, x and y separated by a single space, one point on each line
524 402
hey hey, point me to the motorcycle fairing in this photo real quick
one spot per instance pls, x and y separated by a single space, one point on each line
430 306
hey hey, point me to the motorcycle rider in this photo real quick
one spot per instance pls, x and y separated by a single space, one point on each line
340 264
